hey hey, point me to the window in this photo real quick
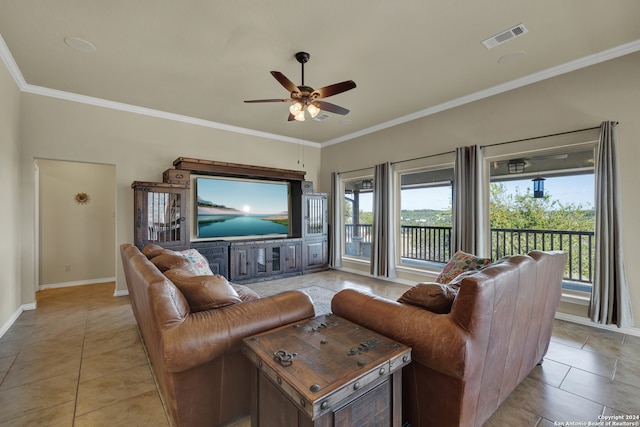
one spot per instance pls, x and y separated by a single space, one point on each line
562 218
358 217
425 217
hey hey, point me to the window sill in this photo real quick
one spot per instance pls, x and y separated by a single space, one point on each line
356 260
578 298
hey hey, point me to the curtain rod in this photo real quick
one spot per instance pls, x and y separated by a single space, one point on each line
424 157
355 170
483 146
402 161
540 137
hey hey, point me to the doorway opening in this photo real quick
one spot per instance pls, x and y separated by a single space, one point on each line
75 235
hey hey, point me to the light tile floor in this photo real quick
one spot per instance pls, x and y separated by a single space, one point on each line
77 361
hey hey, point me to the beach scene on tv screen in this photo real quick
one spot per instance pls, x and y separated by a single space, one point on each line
237 208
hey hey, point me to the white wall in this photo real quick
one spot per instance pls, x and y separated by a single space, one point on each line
10 243
140 147
77 241
577 100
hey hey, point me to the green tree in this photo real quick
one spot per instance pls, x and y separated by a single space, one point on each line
523 211
366 217
348 210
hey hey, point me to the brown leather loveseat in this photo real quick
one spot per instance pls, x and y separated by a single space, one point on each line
203 378
467 361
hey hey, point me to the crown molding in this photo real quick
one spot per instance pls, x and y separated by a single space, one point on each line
577 64
25 87
99 102
11 65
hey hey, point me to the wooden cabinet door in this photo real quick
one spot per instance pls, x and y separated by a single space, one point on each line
314 215
292 257
241 262
217 253
161 214
315 254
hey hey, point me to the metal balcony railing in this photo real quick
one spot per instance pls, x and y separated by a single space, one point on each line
433 244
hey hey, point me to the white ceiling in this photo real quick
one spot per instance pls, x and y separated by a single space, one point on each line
199 59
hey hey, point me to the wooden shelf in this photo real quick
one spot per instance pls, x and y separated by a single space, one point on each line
212 167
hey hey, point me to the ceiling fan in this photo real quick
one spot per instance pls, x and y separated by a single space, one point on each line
305 97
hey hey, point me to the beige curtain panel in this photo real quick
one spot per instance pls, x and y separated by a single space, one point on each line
383 248
467 201
610 303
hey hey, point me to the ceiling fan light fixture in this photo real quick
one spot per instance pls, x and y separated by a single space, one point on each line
313 110
295 108
299 116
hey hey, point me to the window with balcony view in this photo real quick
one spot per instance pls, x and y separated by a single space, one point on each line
425 217
358 217
561 217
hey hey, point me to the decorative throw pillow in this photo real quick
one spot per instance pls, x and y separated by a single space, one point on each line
169 262
204 292
200 263
151 250
435 297
455 283
459 263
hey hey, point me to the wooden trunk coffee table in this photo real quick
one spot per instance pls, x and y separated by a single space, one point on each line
326 371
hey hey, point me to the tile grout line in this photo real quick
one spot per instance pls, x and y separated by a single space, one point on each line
84 337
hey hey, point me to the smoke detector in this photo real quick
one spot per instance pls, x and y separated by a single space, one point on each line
505 36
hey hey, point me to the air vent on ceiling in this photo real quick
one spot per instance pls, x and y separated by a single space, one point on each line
505 36
320 117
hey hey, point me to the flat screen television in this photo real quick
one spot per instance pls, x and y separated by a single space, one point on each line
230 208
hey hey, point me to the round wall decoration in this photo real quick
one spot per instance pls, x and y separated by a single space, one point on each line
82 198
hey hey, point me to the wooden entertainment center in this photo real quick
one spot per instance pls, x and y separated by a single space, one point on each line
162 215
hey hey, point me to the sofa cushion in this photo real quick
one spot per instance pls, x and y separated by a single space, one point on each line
200 263
203 292
244 292
151 251
435 297
459 263
166 262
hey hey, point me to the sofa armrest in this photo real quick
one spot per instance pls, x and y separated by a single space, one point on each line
436 340
206 335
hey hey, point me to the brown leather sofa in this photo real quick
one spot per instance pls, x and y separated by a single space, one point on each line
466 362
203 378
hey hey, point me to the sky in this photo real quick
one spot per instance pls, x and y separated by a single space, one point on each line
577 189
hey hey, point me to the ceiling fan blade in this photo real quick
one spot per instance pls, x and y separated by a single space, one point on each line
332 108
284 81
268 100
327 91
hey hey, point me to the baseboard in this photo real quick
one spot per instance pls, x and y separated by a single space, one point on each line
14 317
30 306
77 283
121 293
388 279
587 322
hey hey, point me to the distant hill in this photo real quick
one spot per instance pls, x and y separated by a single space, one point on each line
206 207
426 217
